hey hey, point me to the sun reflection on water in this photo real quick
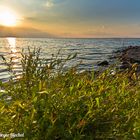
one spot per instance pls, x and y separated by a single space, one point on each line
12 44
14 56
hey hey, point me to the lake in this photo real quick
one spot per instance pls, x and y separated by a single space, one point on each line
89 51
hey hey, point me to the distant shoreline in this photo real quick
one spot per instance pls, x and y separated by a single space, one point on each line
70 37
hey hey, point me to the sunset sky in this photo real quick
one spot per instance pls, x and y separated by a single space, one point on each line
73 18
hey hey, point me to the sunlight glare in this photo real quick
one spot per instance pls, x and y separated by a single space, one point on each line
8 17
12 44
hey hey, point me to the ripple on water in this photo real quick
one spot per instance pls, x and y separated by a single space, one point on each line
89 51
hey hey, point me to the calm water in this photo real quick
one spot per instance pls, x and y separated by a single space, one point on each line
89 51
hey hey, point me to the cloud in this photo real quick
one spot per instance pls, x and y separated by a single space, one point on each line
49 3
22 32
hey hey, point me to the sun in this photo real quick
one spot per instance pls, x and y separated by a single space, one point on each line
8 17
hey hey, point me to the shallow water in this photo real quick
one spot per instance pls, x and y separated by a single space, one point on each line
89 51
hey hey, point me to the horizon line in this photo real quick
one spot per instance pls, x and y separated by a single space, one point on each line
73 37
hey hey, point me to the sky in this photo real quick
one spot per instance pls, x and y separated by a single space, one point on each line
76 18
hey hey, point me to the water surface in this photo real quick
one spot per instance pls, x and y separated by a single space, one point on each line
89 51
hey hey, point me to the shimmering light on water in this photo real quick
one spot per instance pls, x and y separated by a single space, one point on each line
12 43
9 50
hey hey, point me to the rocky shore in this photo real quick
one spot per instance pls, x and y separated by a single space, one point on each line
128 57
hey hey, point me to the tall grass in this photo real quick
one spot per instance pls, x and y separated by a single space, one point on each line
64 105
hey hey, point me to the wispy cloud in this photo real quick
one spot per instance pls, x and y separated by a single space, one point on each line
49 3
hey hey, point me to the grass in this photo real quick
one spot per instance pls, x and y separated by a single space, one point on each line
66 105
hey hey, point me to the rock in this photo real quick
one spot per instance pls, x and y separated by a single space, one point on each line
129 56
125 65
103 63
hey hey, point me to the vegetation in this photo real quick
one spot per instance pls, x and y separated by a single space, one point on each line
65 105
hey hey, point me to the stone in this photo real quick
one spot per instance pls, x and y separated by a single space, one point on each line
103 63
129 56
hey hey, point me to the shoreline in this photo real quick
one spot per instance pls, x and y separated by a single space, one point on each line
128 57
